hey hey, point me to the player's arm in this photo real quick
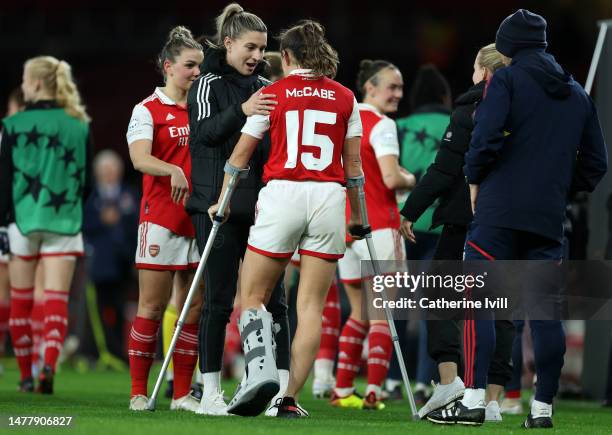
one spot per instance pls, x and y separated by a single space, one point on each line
6 175
386 148
394 176
252 132
140 141
351 158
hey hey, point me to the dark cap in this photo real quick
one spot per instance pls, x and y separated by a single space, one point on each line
522 29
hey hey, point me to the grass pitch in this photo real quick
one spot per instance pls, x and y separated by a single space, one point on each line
98 403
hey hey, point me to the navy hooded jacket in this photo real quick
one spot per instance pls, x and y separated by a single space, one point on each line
536 140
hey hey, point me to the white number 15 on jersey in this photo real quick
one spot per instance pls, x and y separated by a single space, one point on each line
310 138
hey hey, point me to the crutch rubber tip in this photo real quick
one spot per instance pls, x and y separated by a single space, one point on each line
151 406
415 417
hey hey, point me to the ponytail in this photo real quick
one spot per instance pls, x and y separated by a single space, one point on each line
306 42
56 77
233 22
179 38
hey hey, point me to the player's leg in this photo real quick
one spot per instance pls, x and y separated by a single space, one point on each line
57 277
316 277
21 273
22 267
324 381
38 320
154 292
185 354
5 304
259 276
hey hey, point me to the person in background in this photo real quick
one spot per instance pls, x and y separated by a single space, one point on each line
109 228
554 148
420 134
44 180
273 71
15 104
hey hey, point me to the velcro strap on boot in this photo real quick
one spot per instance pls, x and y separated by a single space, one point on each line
250 327
258 352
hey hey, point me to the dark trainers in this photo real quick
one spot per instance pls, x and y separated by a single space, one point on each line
45 380
169 390
458 414
538 422
26 386
287 408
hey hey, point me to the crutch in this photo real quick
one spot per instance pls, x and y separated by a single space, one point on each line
359 183
234 173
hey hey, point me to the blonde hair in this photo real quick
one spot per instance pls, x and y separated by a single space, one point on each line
489 58
233 22
56 77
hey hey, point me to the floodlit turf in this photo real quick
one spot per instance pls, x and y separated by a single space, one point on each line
98 402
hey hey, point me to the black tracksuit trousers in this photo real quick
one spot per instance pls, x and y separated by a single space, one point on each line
220 280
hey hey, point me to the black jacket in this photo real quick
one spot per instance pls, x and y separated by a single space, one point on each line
536 141
215 121
444 178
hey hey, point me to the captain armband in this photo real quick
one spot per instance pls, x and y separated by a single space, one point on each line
233 170
355 181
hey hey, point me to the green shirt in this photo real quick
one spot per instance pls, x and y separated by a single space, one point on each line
419 137
48 150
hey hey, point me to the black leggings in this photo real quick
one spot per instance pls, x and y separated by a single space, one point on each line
220 279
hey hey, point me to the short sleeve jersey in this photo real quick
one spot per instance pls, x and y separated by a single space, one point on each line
159 119
308 127
379 139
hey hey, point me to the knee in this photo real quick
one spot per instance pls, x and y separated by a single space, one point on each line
153 310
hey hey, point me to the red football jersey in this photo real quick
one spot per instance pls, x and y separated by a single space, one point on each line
166 124
379 139
308 128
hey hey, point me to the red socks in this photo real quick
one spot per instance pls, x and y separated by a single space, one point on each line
349 352
331 325
22 301
185 358
141 352
5 312
56 324
380 347
38 326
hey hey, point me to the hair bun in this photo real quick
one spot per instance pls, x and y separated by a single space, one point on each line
180 32
366 64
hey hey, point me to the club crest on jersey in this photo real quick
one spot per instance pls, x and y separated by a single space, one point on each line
154 250
307 91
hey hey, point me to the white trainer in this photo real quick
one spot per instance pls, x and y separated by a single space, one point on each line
492 413
185 403
511 406
443 395
212 404
323 388
139 403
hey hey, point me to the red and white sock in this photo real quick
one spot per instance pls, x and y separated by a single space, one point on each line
55 324
233 344
141 352
330 330
184 359
349 355
38 326
22 300
380 348
5 312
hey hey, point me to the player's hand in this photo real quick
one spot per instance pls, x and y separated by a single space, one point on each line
406 230
259 104
356 229
474 189
179 186
213 209
4 241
